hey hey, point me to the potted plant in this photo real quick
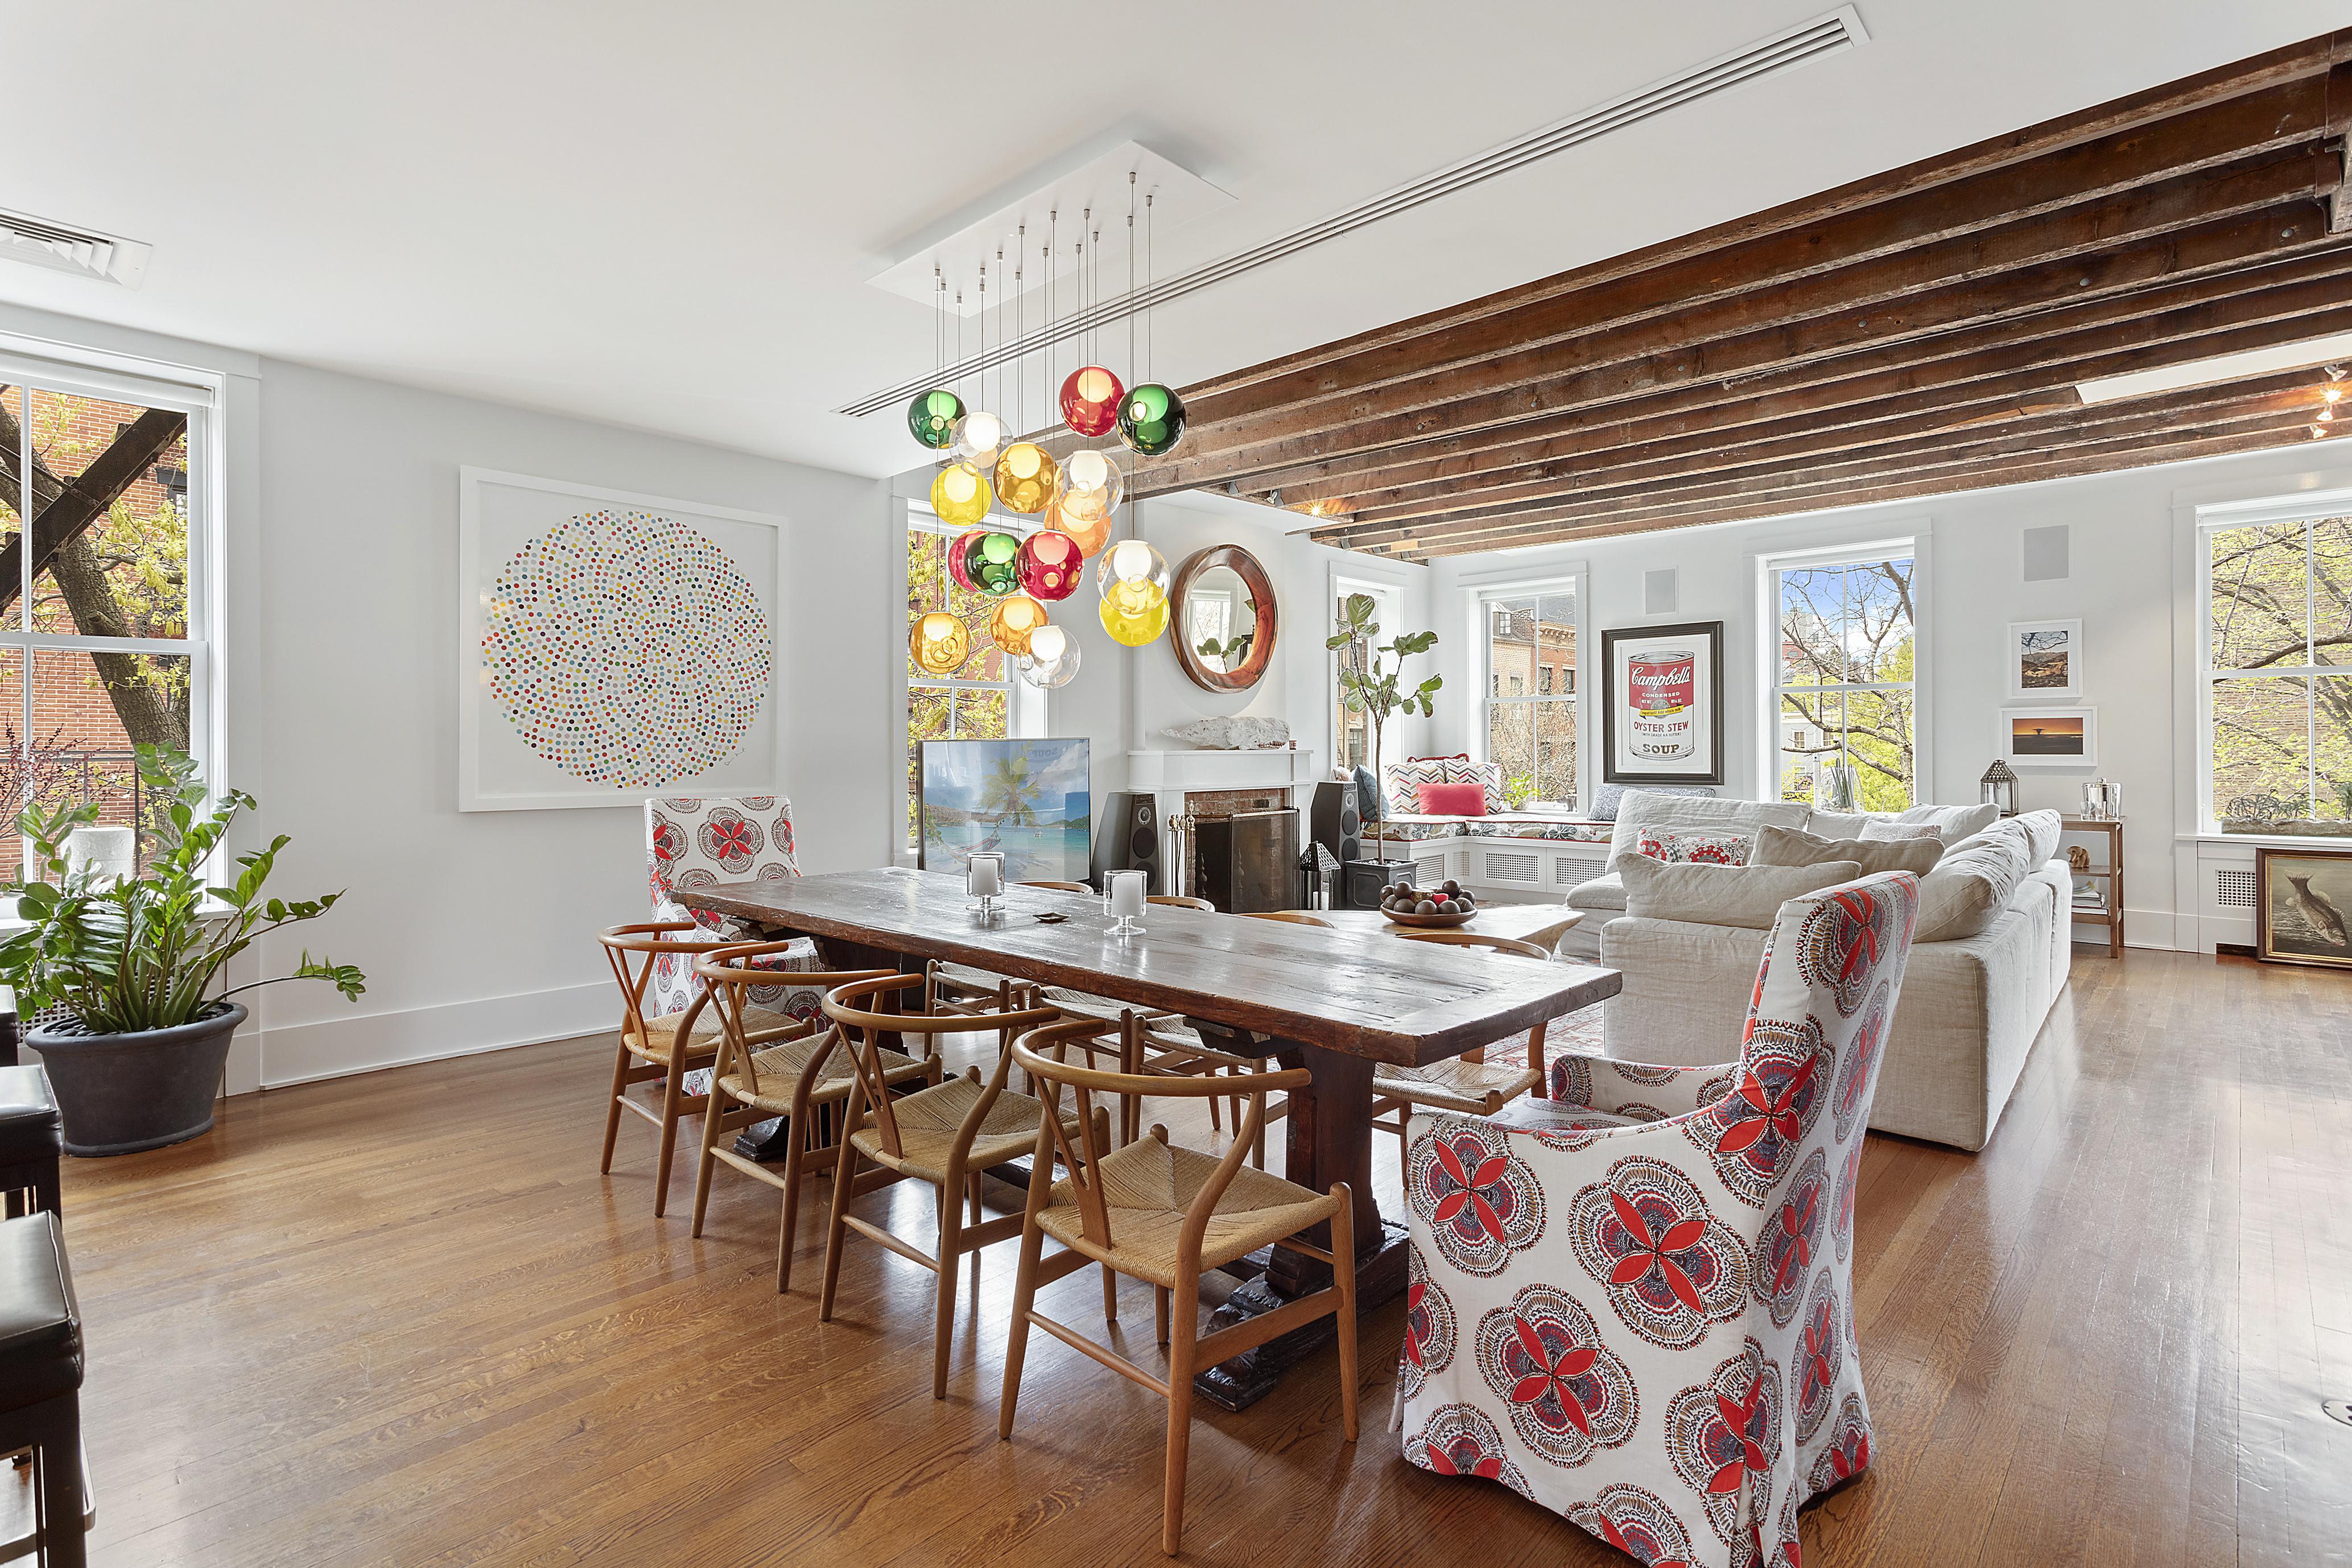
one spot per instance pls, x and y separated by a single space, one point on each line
1364 687
114 976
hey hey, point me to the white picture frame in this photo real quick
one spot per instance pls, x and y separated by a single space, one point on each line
674 571
2053 737
2042 661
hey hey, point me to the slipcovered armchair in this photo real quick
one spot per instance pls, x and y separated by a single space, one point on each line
1638 1310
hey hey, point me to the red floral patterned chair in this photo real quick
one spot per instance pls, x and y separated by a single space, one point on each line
701 843
1638 1309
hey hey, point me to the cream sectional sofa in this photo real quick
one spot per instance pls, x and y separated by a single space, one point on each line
1971 1007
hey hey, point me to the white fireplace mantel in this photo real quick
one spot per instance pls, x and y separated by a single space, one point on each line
1281 768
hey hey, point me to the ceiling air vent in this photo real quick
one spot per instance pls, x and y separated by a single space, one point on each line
83 252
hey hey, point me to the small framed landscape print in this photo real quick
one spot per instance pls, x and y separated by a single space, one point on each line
2044 660
2301 907
2050 737
1661 705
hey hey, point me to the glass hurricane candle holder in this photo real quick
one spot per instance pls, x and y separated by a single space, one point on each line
983 878
1124 898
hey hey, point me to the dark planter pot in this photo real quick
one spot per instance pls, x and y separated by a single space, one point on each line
123 1094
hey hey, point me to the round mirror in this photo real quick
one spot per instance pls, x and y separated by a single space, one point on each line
1224 618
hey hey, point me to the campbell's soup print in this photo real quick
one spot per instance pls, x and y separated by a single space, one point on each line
1662 689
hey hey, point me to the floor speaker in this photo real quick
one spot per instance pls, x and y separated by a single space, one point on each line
1127 837
1332 820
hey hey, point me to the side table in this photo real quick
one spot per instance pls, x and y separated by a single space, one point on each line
2112 874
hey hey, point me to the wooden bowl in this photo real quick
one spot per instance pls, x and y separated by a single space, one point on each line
1439 923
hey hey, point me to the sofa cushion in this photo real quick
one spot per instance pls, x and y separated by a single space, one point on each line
1795 846
1877 832
1973 883
2043 829
1608 797
1748 896
1952 823
1693 848
1646 808
1606 894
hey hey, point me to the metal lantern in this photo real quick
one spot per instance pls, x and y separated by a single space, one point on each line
1151 419
1091 400
2000 787
931 417
939 644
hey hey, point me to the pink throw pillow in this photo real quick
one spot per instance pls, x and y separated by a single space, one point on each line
1452 799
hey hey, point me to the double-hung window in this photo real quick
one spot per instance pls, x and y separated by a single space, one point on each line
1842 665
980 701
1529 639
2277 668
105 502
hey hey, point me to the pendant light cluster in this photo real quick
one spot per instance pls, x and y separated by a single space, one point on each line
988 466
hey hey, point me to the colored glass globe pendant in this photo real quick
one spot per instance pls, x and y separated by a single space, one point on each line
1052 660
991 562
1134 626
1051 562
957 549
980 436
932 417
939 644
1151 419
1027 479
1016 615
1092 485
1133 580
960 495
1091 400
1091 533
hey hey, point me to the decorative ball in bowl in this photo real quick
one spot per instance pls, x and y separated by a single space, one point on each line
1444 906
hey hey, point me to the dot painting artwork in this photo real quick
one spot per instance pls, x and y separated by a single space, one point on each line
624 648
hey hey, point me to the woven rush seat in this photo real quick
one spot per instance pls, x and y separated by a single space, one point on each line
759 1027
1454 1085
928 1121
1148 1187
776 1072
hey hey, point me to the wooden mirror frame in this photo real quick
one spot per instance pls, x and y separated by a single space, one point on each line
1261 589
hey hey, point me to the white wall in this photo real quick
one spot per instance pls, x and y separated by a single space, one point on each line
2125 563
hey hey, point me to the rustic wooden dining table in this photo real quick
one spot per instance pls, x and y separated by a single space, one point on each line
1334 1002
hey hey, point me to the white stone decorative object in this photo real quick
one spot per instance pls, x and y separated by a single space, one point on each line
1230 734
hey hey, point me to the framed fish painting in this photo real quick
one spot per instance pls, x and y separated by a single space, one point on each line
2303 911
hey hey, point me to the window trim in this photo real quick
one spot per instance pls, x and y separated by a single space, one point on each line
1767 563
2308 507
1482 590
1339 584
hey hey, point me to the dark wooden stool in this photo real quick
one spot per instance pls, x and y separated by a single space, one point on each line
32 1136
40 1377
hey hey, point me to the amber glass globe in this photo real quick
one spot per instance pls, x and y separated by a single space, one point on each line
992 562
1027 478
1090 399
1092 485
932 417
960 495
939 644
1151 419
1015 616
1091 533
1051 563
1052 661
980 436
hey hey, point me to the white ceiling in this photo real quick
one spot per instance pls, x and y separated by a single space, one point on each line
665 217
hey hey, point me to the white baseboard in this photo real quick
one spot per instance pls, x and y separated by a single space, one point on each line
337 1047
2142 928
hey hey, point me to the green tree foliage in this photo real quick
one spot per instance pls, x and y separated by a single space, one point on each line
1365 686
2282 600
1843 627
936 713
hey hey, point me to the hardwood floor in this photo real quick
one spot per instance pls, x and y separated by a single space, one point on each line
401 1320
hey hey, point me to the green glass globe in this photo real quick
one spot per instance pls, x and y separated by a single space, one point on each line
1151 419
932 417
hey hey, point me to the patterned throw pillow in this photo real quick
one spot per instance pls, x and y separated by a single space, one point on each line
1489 775
1403 782
1692 849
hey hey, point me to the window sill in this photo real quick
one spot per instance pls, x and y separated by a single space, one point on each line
2270 840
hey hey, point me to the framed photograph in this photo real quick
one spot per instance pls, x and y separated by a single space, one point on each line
2301 907
612 646
1027 798
2044 660
2050 737
1662 704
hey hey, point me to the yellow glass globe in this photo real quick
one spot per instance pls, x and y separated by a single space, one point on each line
939 644
1027 479
1136 628
960 495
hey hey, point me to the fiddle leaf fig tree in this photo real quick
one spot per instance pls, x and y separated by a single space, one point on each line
1365 685
142 953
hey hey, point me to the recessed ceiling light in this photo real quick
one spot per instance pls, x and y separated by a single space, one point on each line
84 252
2310 352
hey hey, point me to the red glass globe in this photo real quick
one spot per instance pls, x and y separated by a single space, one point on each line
1051 565
1091 400
958 559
